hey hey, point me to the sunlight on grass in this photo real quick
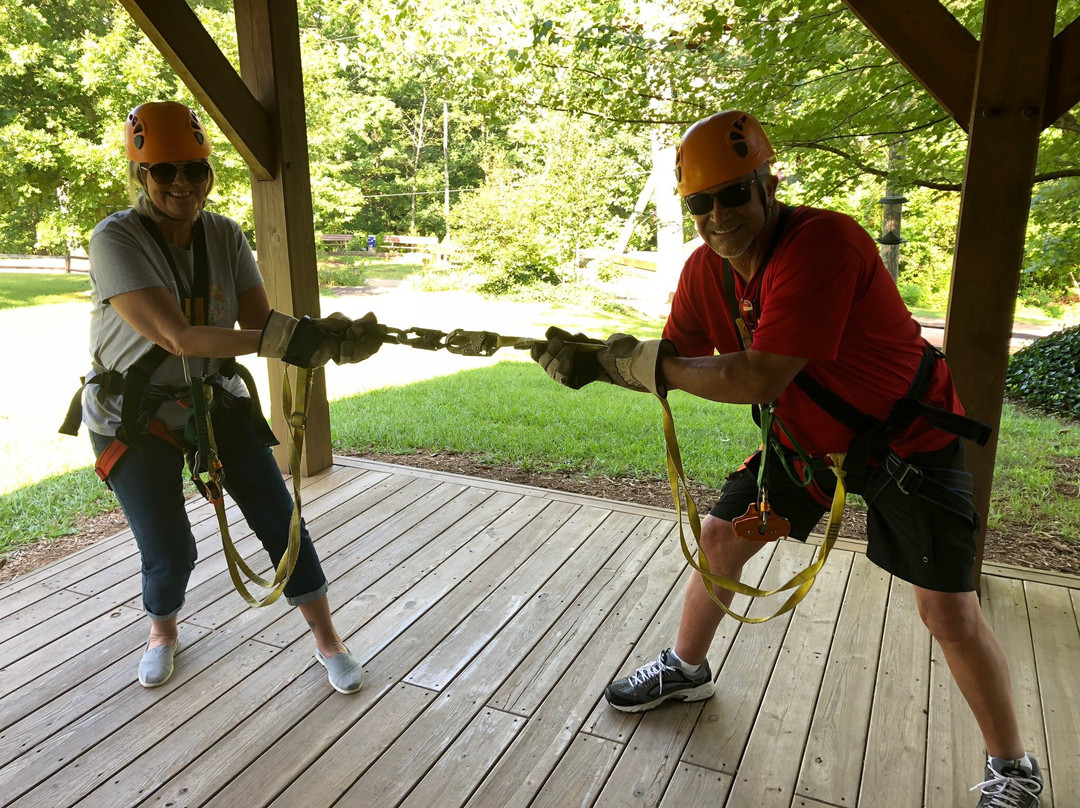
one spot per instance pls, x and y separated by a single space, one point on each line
19 289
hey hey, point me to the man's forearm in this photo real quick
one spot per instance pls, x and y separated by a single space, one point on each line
735 378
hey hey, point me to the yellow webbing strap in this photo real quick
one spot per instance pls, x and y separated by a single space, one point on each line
800 582
238 568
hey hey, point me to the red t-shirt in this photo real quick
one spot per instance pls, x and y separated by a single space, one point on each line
825 296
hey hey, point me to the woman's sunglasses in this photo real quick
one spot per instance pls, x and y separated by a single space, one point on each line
165 173
731 197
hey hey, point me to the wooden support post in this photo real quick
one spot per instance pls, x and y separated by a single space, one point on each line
269 44
1006 118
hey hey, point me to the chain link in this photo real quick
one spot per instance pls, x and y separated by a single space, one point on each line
459 341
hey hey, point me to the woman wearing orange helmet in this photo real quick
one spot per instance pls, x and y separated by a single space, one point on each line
170 281
792 307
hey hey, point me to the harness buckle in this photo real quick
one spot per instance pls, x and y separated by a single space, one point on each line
903 482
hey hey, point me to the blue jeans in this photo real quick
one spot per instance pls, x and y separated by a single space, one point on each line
148 480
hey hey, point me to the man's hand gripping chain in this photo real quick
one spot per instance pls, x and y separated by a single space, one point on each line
575 360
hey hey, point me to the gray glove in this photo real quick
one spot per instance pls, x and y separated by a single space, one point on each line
306 343
362 339
636 365
565 361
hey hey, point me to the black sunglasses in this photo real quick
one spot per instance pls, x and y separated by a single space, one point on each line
165 173
731 197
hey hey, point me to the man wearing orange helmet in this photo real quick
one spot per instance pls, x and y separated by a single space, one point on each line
792 309
170 280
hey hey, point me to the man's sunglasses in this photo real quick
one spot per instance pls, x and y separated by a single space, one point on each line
165 173
731 197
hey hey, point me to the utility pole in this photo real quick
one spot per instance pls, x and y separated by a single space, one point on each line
446 166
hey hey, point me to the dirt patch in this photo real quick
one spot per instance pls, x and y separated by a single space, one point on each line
1018 544
88 530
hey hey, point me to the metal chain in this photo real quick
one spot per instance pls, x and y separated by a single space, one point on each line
458 341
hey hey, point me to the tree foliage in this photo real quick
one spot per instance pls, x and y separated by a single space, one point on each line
850 123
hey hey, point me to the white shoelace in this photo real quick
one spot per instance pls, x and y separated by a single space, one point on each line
1007 792
646 672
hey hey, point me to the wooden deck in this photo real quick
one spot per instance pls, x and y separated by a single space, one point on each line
490 617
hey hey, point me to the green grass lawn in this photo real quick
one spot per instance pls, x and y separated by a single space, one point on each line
19 289
506 413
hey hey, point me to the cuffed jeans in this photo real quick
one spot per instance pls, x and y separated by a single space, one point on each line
148 481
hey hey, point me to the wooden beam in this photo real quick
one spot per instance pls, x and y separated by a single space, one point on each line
1064 91
268 35
173 27
1004 127
929 41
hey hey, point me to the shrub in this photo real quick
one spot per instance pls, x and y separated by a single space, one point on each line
1046 374
911 293
341 274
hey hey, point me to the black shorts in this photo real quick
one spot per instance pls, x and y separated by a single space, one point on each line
908 536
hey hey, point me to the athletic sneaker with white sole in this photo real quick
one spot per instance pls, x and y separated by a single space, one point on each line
1011 784
658 681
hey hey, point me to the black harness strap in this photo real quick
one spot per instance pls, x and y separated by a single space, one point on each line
140 399
948 487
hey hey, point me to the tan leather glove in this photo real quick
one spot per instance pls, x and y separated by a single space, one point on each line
636 365
307 342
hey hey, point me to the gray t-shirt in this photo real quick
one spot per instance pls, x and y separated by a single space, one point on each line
124 258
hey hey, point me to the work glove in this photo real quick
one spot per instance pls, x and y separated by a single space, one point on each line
307 342
563 359
636 365
362 339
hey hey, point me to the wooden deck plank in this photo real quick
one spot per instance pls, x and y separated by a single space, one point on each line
338 550
438 669
896 744
274 770
954 745
724 728
53 602
649 760
103 740
832 765
31 734
79 674
28 668
362 743
463 594
769 770
257 733
527 765
459 771
408 759
632 548
192 736
1005 606
580 774
693 785
1056 640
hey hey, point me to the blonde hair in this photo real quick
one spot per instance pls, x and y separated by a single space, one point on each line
140 197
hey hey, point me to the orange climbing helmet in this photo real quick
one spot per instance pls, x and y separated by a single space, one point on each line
165 132
719 149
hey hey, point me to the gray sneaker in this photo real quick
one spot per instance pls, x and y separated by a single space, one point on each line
1013 784
656 682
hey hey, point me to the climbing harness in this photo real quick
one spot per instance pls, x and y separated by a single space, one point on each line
141 401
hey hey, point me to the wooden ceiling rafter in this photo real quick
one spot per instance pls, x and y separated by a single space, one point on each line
180 36
931 43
